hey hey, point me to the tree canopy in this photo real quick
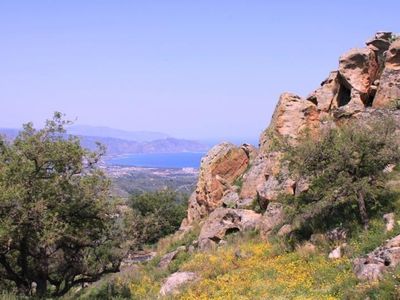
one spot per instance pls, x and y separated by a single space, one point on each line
57 225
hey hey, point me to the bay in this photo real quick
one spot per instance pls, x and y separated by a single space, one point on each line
159 160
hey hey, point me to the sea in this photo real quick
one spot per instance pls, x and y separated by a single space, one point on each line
158 160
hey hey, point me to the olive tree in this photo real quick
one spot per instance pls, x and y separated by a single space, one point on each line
57 225
346 164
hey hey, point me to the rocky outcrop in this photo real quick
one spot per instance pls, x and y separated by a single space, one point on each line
375 264
176 281
366 81
219 169
224 221
389 83
292 116
358 69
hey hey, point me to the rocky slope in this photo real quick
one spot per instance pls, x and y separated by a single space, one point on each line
366 85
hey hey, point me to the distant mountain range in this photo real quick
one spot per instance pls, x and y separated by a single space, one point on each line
137 136
120 142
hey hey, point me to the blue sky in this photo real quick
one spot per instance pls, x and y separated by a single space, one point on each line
193 69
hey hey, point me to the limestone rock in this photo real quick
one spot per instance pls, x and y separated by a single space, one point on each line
175 281
389 84
272 217
372 266
223 221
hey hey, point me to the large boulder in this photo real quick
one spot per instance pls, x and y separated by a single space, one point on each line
292 116
375 264
358 67
389 84
273 216
175 281
224 221
219 169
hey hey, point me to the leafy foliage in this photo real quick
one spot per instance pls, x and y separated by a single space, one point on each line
156 214
346 170
57 226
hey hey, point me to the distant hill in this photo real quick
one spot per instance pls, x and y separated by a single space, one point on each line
137 136
119 146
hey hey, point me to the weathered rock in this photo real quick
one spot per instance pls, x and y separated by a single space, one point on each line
389 221
255 177
358 68
292 116
169 257
219 169
325 96
380 44
285 230
223 221
273 216
175 281
337 252
337 234
230 199
251 151
266 179
372 266
389 87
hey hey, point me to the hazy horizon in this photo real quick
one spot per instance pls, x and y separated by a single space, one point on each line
194 70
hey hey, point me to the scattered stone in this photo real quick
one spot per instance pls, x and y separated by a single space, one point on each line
375 264
389 221
175 281
285 230
169 257
337 252
239 254
337 234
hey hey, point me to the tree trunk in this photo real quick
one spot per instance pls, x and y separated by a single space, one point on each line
363 209
41 288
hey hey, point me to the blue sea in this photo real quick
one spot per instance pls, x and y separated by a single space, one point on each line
159 160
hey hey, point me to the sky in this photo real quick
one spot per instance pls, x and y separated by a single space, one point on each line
201 69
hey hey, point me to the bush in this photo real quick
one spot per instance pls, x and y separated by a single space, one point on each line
157 214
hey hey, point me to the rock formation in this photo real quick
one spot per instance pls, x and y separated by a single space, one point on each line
224 221
366 83
219 169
